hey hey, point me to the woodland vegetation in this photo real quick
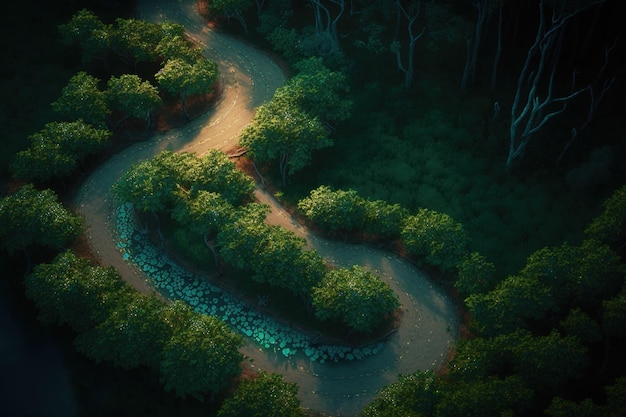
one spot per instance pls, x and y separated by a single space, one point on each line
417 137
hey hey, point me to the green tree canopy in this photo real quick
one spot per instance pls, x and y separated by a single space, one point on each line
89 32
82 99
152 185
265 395
475 275
136 39
334 210
56 149
132 96
32 217
133 334
355 297
491 396
179 77
319 91
581 275
411 395
273 254
610 226
435 238
281 130
201 357
547 362
71 291
232 9
509 306
177 47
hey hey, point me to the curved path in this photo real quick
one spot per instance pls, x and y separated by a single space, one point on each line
429 325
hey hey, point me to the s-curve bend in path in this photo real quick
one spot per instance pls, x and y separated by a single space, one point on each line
429 325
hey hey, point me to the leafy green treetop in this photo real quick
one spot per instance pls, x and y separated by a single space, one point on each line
132 96
354 296
89 32
265 395
71 291
232 9
411 395
201 357
610 226
179 77
133 334
55 150
335 210
436 238
82 99
281 130
32 217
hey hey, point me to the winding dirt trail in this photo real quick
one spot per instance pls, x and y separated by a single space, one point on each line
429 325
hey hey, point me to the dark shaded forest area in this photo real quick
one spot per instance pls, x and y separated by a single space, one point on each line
433 125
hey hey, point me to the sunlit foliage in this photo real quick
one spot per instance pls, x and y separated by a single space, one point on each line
265 395
31 217
354 296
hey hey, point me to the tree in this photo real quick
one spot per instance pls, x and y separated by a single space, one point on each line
610 226
411 14
614 315
491 396
150 185
581 325
532 107
232 9
136 39
55 150
81 99
415 394
577 275
547 362
177 47
273 254
133 334
337 210
436 238
326 23
133 96
201 357
484 8
265 395
31 217
475 275
319 91
383 219
90 33
180 77
478 358
71 291
354 296
560 407
204 214
282 130
509 306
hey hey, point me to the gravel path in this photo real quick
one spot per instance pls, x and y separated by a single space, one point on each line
429 325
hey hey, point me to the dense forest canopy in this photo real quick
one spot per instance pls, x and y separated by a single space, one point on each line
487 133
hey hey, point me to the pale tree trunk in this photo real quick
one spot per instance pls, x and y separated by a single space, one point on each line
496 59
325 23
473 44
259 7
411 15
532 107
596 97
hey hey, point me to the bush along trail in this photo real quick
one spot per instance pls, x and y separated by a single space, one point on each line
336 380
